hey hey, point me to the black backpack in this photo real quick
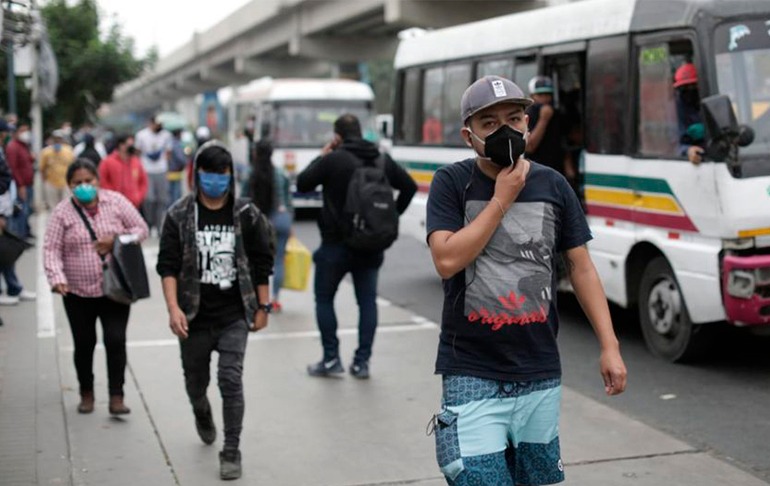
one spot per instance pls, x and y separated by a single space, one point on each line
370 219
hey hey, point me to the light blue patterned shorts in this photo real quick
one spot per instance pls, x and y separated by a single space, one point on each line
499 433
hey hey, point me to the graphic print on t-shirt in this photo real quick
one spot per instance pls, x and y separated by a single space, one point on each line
216 254
510 281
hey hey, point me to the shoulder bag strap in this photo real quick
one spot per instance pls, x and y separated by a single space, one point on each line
88 225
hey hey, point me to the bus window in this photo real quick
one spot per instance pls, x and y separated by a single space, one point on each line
433 82
409 131
606 98
526 69
497 67
457 79
659 119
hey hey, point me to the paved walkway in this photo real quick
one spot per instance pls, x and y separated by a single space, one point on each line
298 431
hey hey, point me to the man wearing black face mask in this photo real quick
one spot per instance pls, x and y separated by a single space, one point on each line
122 171
495 224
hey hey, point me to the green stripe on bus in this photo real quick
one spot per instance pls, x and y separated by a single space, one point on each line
628 182
426 166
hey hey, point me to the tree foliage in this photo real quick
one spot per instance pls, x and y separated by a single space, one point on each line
90 64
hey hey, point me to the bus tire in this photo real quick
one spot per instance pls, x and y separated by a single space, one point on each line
668 331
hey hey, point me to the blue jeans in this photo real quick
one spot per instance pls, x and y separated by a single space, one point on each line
13 286
332 262
19 223
174 191
230 342
282 224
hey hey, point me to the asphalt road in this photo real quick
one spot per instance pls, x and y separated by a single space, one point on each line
721 404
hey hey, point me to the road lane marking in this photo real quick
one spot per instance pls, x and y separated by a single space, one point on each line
415 324
45 315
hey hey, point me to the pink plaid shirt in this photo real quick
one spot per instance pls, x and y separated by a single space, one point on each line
69 256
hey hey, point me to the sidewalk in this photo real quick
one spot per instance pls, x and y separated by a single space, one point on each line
298 431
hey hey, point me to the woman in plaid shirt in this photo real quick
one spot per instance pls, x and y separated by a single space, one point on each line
73 267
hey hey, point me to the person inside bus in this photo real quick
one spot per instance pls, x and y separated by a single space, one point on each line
546 141
494 224
691 129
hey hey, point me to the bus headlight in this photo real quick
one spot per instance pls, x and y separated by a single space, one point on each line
741 284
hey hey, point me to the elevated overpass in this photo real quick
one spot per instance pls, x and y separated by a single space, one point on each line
307 38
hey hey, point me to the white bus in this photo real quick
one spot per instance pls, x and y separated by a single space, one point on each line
297 116
687 245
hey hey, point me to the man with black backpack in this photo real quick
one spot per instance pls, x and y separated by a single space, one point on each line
358 221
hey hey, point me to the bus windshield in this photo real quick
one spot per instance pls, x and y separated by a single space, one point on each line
309 123
743 73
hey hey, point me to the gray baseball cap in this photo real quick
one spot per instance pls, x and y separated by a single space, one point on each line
488 91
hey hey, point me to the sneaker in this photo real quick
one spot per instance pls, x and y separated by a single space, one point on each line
230 464
204 423
8 299
276 306
360 370
26 295
326 368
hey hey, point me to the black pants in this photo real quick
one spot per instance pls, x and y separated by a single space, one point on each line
82 313
230 342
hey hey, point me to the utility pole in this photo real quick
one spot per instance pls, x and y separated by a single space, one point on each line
36 109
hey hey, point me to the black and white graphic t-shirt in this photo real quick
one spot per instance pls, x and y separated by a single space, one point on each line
499 319
221 301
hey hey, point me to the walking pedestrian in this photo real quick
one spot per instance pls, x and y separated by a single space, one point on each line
494 224
269 188
54 161
122 171
74 268
154 144
176 166
22 165
215 260
333 170
14 289
89 148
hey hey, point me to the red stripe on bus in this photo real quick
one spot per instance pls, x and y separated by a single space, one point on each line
651 219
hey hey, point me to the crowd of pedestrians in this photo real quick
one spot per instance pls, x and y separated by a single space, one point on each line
496 222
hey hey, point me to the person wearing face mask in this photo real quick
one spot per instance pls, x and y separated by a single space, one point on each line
54 161
495 222
154 145
215 260
73 266
22 165
691 128
122 171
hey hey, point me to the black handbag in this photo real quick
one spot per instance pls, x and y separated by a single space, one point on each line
11 248
125 274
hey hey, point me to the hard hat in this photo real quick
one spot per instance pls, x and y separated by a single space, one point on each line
685 74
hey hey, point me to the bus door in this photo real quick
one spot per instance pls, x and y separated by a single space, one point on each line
566 66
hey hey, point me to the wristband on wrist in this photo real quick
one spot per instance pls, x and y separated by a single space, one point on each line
499 205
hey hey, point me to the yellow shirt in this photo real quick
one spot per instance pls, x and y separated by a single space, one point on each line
53 164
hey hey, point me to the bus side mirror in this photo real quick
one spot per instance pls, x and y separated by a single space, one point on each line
724 133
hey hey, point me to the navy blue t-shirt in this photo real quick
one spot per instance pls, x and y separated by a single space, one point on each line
499 319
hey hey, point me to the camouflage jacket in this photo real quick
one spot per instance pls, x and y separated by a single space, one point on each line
178 256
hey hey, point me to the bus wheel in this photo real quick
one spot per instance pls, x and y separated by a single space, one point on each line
666 325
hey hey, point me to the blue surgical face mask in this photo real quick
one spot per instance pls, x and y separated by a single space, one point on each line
85 193
214 185
57 147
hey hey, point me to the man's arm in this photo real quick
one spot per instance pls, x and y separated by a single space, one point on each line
590 293
537 133
312 176
400 180
177 321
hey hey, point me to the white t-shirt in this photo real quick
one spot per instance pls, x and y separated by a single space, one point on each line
154 148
